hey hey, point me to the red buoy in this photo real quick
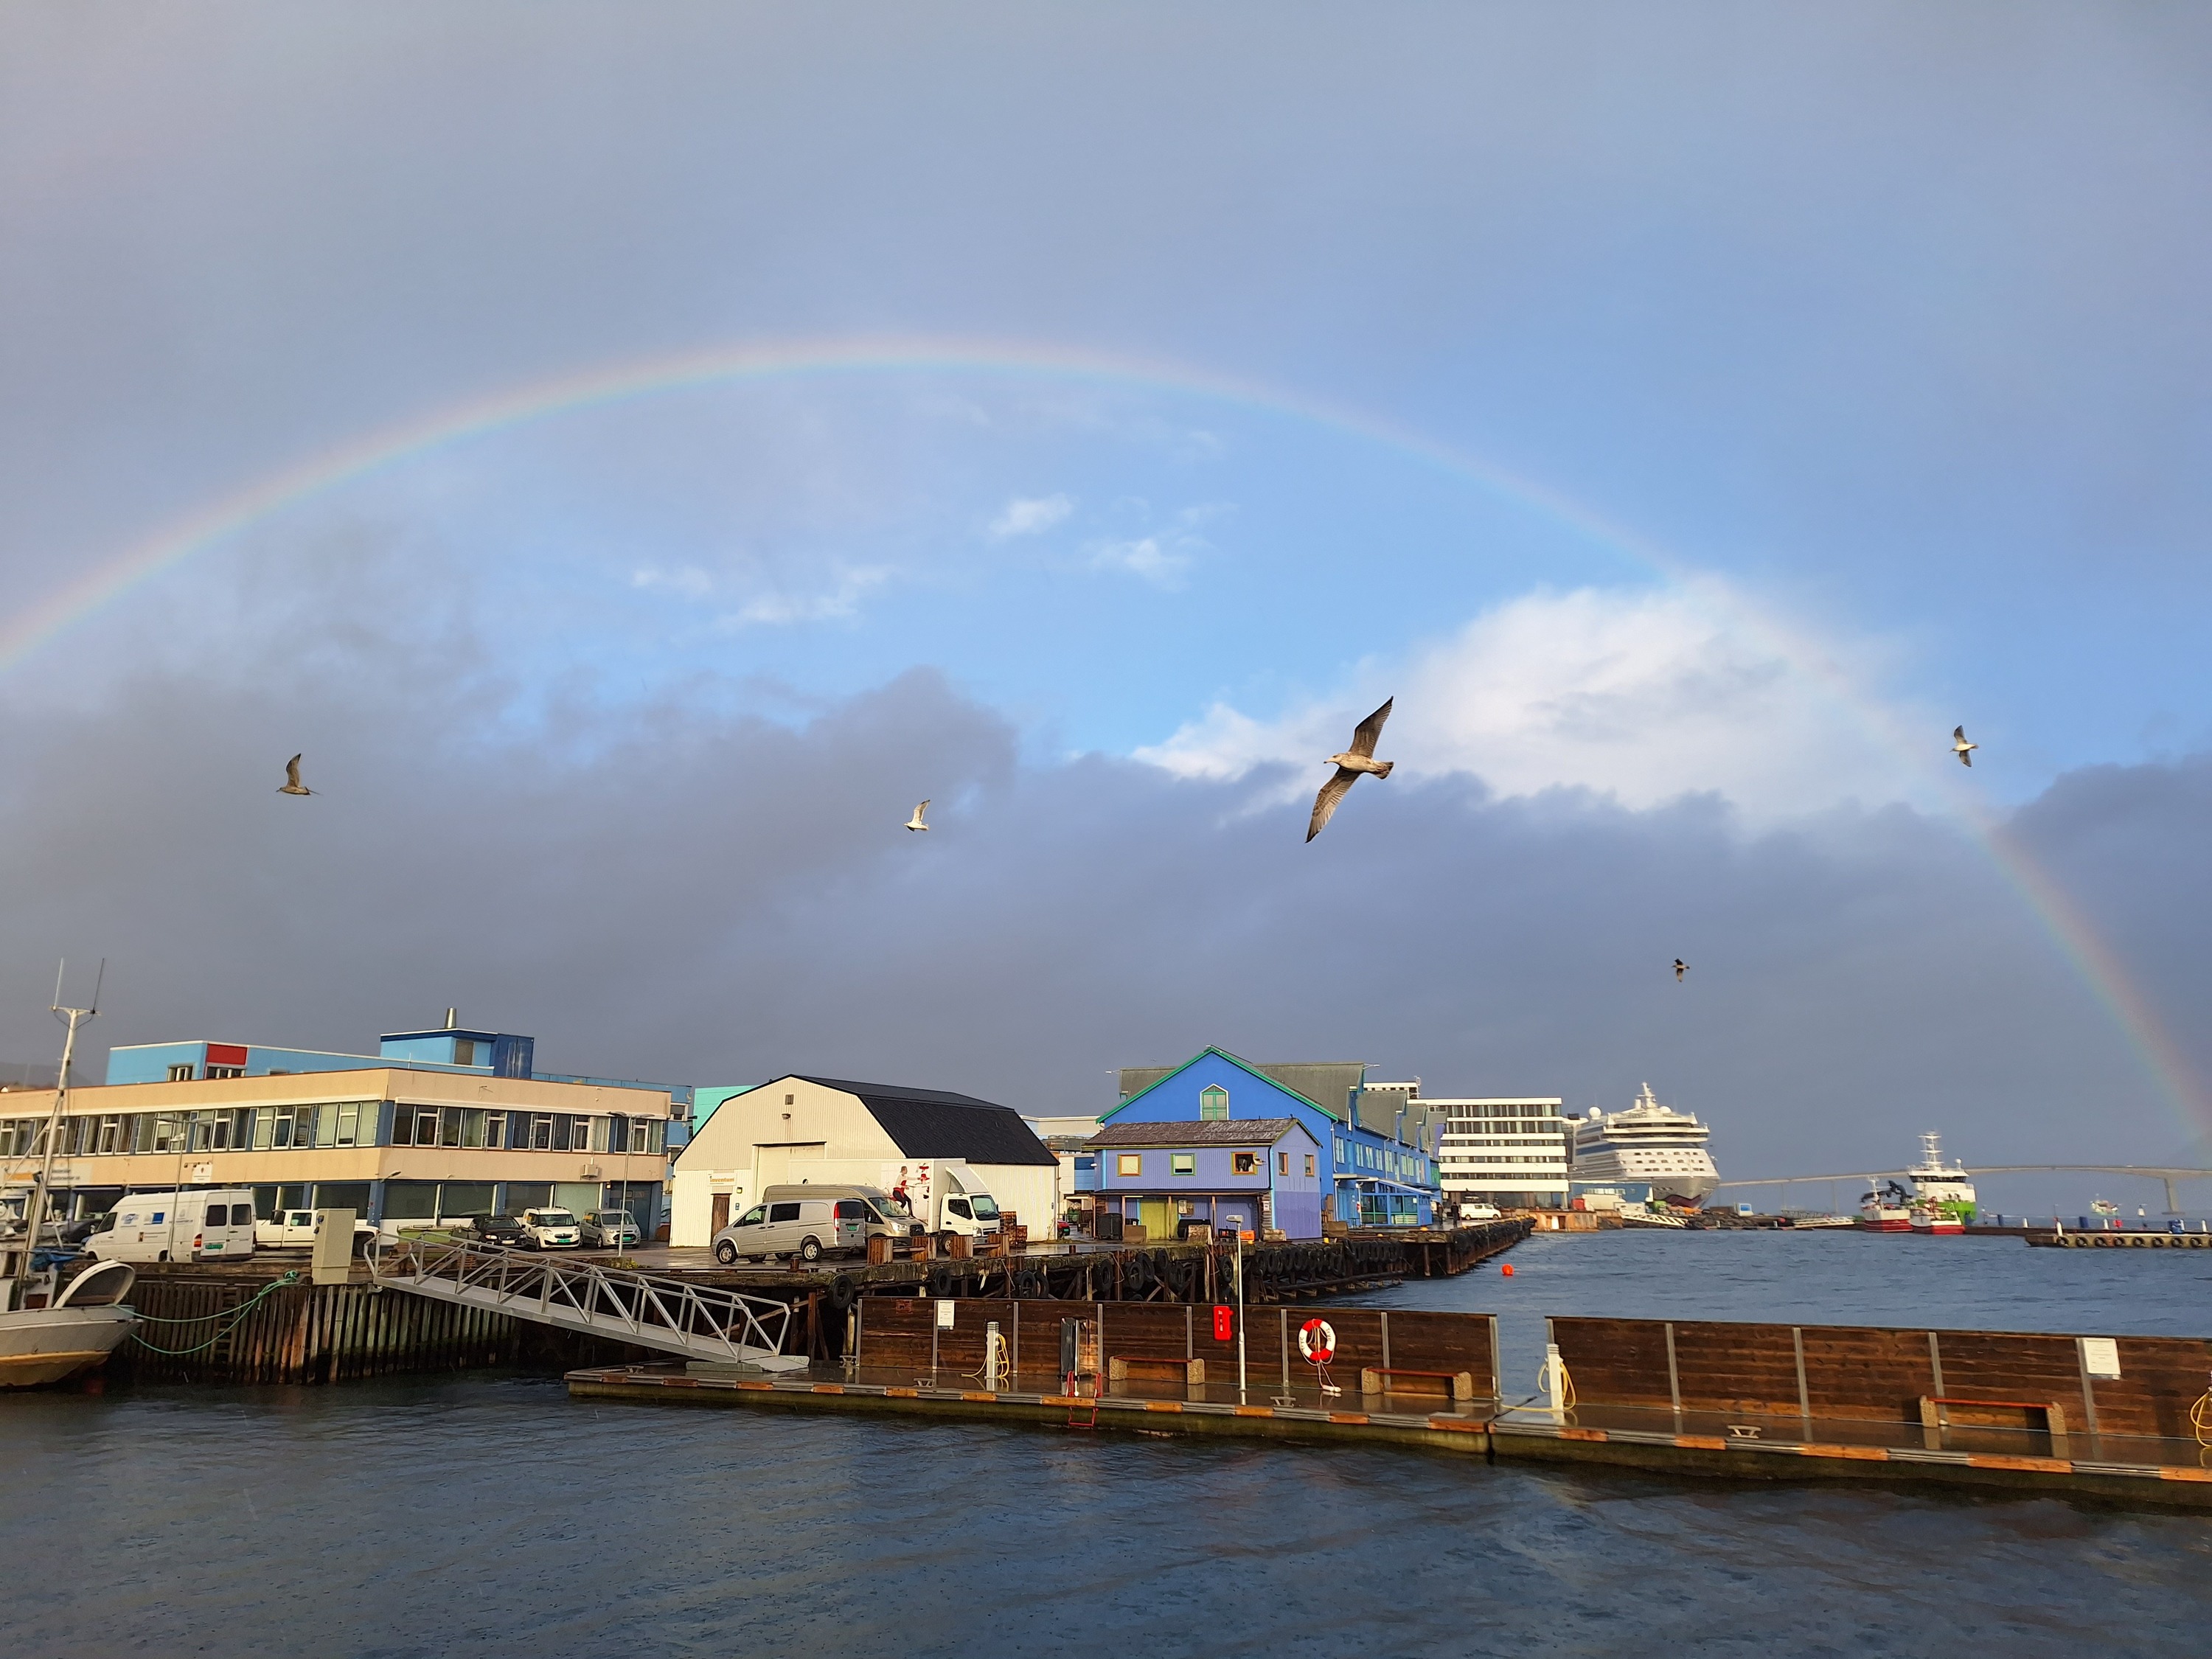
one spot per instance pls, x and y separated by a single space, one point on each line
1507 1270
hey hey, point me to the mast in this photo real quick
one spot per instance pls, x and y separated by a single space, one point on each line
35 1215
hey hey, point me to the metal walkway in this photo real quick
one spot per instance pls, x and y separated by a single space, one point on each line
699 1321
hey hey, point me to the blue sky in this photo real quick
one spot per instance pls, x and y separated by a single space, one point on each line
1882 327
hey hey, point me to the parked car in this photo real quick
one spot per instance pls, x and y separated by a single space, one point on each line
609 1230
808 1221
81 1230
501 1229
1478 1212
549 1230
296 1230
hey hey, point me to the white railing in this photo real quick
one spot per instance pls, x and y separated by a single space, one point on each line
699 1321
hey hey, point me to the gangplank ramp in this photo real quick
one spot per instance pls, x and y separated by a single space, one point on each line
706 1322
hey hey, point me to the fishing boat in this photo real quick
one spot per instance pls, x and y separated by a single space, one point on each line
59 1318
1886 1207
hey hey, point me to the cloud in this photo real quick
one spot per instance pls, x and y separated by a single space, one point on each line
1163 563
1024 516
841 600
683 891
1641 695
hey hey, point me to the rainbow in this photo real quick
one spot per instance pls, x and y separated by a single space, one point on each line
2091 959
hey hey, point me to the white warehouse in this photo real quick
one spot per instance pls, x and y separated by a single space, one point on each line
799 1129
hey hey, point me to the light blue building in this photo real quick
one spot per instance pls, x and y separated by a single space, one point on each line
1241 1175
1367 1175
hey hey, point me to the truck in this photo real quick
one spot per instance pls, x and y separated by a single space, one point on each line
197 1224
944 1196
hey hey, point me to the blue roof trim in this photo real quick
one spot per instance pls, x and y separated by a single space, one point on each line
1242 1066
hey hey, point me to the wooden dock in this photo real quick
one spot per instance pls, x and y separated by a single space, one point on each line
2107 1420
2098 1239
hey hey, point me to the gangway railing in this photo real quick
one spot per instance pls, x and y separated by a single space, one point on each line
699 1321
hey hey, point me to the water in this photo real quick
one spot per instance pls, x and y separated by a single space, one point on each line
491 1515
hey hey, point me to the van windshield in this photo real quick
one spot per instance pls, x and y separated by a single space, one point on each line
555 1218
987 1208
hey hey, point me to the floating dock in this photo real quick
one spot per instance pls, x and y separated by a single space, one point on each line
2104 1419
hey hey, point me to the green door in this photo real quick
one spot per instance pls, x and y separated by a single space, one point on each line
1158 1215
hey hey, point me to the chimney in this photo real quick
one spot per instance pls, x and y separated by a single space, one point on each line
453 1019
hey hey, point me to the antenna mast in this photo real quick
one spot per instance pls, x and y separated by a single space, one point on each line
35 1216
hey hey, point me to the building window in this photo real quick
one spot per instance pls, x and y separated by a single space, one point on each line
1283 1163
1309 1166
1129 1164
180 1073
1182 1162
1245 1163
465 1051
215 1072
1213 1104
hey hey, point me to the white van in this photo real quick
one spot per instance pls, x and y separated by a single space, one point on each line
212 1223
551 1229
811 1219
296 1230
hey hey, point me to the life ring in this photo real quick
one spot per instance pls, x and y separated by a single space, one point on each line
1317 1341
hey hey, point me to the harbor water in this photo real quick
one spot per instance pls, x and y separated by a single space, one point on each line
490 1513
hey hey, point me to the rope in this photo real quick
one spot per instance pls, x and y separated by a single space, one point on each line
2200 1417
233 1315
1566 1401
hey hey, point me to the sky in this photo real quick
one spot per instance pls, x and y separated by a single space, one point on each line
635 453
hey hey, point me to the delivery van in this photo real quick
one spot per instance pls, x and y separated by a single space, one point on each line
211 1223
810 1220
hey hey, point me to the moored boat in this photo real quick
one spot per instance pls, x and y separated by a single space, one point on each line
86 1322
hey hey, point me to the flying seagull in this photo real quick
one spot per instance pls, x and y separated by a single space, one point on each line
1680 969
1961 747
1360 757
915 822
292 785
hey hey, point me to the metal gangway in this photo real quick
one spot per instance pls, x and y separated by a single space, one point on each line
699 1321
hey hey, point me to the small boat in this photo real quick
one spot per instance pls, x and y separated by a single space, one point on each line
1886 1208
1927 1220
44 1342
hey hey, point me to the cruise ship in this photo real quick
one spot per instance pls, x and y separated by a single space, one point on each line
1647 1142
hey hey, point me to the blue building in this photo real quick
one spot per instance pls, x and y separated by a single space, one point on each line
1244 1174
1369 1175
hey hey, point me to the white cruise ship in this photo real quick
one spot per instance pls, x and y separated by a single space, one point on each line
1647 1142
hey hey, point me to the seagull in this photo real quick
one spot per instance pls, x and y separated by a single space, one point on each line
915 822
292 785
1680 969
1360 757
1961 747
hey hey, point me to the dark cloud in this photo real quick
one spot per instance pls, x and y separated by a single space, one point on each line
674 892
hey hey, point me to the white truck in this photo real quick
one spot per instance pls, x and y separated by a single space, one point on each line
296 1230
202 1224
947 1198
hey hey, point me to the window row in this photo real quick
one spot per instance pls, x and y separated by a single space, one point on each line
1186 1163
332 1123
242 1128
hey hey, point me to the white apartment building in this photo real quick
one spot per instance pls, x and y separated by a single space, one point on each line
1510 1152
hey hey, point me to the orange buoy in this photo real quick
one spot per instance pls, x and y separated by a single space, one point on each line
1507 1270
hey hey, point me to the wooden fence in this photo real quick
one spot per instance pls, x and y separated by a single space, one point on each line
902 1333
1870 1373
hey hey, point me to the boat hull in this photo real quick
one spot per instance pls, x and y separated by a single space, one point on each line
44 1346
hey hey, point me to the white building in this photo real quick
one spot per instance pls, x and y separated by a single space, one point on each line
799 1129
1510 1152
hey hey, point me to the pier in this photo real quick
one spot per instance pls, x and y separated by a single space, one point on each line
2108 1419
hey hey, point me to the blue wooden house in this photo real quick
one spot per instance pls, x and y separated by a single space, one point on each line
1366 1178
1248 1175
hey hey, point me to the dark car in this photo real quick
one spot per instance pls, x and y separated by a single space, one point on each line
501 1229
78 1231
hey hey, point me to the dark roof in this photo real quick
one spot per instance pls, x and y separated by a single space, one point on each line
931 1123
1214 1132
